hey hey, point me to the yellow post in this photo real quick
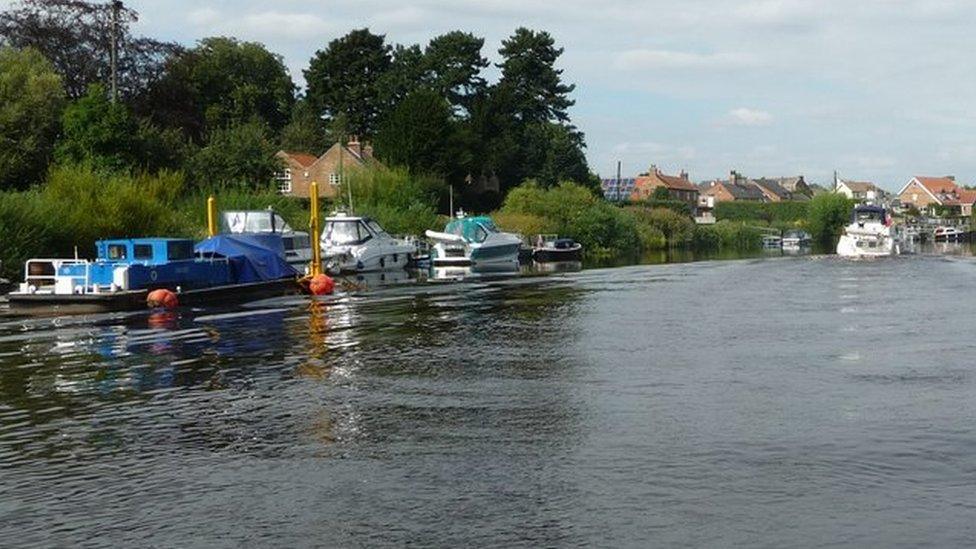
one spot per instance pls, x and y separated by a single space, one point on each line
212 216
316 266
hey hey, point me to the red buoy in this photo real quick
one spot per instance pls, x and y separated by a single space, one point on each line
162 298
321 285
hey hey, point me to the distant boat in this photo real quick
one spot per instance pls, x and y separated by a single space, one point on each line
795 238
771 242
473 241
869 234
549 247
949 234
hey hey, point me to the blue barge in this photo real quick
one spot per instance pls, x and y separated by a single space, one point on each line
223 268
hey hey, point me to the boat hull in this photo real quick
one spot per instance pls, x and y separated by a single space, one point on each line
133 300
546 255
866 246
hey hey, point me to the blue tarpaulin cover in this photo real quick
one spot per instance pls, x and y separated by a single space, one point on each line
252 257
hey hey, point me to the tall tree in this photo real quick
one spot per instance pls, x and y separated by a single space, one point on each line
407 72
345 78
421 135
531 79
31 100
98 132
453 63
241 155
306 132
76 36
220 83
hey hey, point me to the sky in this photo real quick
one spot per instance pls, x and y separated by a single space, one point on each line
878 90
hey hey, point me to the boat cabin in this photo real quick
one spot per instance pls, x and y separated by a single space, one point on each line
869 214
144 251
253 221
350 231
472 229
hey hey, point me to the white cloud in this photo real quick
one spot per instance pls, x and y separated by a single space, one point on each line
748 117
292 26
668 59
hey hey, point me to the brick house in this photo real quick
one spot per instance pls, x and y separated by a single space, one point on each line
736 188
863 191
300 169
927 192
679 187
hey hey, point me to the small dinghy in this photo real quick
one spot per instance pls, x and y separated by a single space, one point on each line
550 248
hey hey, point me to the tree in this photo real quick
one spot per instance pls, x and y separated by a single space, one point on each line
827 215
220 83
553 154
98 132
345 78
240 155
306 132
420 134
534 85
661 193
407 72
31 101
453 64
76 36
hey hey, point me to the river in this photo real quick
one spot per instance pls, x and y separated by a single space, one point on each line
776 402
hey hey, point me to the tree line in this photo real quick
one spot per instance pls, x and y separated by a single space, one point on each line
218 111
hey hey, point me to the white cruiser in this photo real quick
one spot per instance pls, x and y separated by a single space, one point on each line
869 235
358 244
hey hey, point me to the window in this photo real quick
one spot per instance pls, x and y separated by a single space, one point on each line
333 179
116 251
284 181
345 232
179 249
143 251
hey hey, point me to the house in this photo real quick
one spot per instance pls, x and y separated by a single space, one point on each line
796 185
863 191
618 190
932 193
300 169
706 210
736 188
774 191
679 187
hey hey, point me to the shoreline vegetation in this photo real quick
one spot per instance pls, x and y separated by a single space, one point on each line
80 163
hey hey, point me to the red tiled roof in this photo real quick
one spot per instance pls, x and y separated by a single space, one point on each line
938 185
861 186
677 183
304 159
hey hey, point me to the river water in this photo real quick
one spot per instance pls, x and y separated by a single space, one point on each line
775 402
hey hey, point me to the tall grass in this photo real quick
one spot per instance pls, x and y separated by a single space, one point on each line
400 202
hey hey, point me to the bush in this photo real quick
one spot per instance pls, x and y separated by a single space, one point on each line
676 228
729 235
521 223
829 213
677 206
25 227
770 212
574 211
400 202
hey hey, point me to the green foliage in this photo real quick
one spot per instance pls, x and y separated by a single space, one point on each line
344 78
453 65
572 210
530 78
402 203
305 132
31 100
677 206
726 235
420 135
828 214
661 193
522 223
26 229
98 132
192 207
240 156
769 212
676 228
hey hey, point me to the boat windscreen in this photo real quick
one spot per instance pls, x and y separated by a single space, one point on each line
345 232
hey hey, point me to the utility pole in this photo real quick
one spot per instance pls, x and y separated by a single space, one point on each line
116 8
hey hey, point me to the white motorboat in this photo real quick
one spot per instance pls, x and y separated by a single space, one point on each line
772 242
473 241
352 244
297 244
795 239
949 234
869 234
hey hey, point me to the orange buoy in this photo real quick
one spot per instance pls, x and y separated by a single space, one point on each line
162 298
321 285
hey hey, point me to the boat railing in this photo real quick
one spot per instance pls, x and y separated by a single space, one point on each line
43 272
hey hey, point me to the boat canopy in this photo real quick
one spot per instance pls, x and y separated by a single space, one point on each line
868 212
252 257
472 229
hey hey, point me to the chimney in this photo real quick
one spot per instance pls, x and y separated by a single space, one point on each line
950 177
653 170
733 177
355 146
684 175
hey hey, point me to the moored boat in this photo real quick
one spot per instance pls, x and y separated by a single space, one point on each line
795 238
949 234
224 268
296 244
869 234
353 244
473 241
549 247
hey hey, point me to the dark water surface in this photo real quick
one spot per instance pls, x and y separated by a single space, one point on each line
784 402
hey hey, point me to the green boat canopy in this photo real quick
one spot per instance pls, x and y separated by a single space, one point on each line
472 229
